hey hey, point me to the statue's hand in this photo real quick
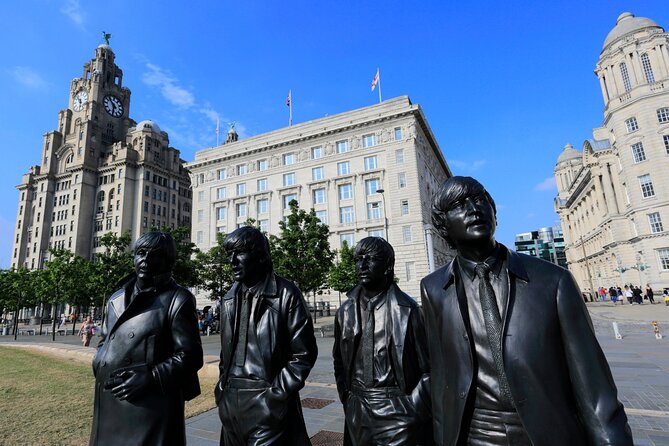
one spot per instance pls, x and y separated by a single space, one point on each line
130 384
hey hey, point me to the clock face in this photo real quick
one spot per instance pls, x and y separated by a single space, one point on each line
79 100
113 106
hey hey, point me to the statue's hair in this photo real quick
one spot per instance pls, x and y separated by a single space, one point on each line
378 246
158 240
249 239
451 191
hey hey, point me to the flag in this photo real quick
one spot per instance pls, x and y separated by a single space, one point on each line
375 80
288 99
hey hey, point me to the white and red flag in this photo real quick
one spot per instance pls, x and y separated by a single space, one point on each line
375 80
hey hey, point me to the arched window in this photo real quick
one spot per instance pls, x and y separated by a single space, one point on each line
626 77
647 69
101 196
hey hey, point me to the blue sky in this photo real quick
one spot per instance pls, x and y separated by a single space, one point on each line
504 85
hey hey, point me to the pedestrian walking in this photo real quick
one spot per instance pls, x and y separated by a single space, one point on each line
87 331
649 294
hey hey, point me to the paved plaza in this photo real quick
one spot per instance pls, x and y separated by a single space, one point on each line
640 365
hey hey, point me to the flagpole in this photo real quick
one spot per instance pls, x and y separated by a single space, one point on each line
290 121
379 73
218 124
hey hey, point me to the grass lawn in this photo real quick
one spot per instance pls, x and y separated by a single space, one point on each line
49 401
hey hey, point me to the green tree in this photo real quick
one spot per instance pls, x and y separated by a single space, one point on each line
342 276
18 292
215 270
187 267
61 282
110 266
302 252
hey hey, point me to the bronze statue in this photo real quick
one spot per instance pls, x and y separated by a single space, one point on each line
105 37
147 360
268 348
380 356
514 358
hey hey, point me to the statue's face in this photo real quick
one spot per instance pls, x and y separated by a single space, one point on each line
371 270
246 266
150 262
471 220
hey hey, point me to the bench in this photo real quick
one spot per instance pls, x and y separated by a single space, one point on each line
60 331
29 331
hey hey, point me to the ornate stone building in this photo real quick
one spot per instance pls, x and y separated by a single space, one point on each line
99 171
613 196
370 171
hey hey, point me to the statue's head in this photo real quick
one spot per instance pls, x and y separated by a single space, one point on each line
374 262
154 254
464 212
249 253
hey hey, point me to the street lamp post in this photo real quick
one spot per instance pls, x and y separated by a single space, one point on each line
385 215
620 269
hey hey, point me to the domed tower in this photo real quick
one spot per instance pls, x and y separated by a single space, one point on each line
566 169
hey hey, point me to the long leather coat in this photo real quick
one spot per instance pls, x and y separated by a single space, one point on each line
158 328
287 344
559 378
407 345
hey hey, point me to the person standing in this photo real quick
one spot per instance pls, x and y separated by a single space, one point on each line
513 354
380 356
268 348
149 353
650 294
86 331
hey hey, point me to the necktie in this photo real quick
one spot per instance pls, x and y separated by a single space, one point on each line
493 326
240 355
368 346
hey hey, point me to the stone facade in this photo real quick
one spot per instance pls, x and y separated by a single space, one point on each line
99 172
335 165
613 196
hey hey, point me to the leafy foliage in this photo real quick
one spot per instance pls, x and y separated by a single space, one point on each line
187 268
342 276
215 270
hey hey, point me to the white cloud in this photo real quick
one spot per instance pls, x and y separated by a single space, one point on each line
28 77
72 9
466 166
168 85
547 184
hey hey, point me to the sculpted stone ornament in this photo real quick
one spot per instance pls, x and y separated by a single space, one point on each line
147 360
380 356
268 348
513 353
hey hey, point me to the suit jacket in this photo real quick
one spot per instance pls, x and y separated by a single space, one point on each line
157 329
558 375
407 346
285 334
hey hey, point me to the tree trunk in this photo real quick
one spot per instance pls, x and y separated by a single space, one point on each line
74 322
53 322
16 319
315 307
41 317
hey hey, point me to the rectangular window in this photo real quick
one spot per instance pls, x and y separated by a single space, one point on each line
376 233
220 193
374 210
399 156
287 199
200 236
346 215
631 125
263 225
146 206
369 140
147 191
398 133
345 191
372 186
262 165
371 163
241 169
410 270
343 168
347 237
221 174
289 179
200 195
638 153
241 210
664 258
406 233
288 159
663 114
262 184
316 152
241 189
200 216
342 146
646 184
665 138
263 206
655 222
319 196
404 207
220 229
317 174
402 180
322 216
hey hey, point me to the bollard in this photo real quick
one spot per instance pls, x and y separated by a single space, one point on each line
656 330
616 330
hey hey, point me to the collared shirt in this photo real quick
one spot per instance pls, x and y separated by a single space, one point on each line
383 371
488 395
